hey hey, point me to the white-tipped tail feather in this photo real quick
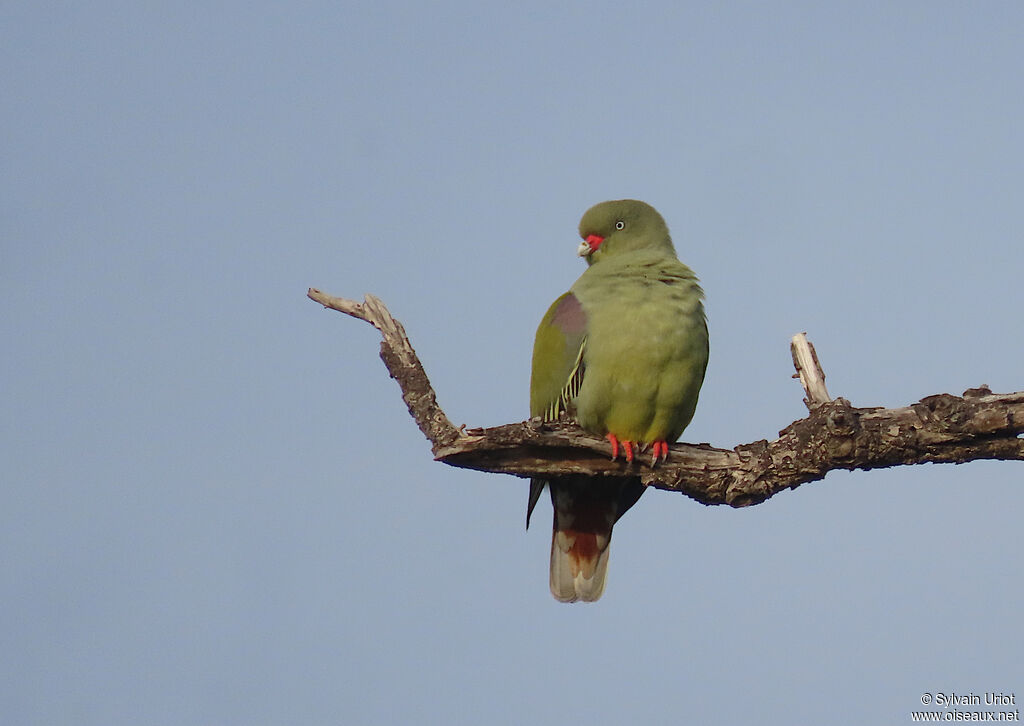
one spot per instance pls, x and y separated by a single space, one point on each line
579 564
586 508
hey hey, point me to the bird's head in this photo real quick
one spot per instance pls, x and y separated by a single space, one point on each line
620 226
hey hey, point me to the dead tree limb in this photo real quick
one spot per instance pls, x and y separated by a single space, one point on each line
403 364
835 434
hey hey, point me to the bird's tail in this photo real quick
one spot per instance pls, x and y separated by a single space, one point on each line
579 542
585 510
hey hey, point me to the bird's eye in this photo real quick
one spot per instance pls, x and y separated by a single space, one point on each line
620 225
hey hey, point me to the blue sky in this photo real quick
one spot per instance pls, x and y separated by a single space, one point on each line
215 507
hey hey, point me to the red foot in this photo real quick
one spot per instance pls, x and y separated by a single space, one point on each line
626 445
660 452
658 448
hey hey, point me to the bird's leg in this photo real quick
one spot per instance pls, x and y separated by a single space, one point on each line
615 445
626 445
660 452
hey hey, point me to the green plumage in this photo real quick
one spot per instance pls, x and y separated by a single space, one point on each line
647 346
624 352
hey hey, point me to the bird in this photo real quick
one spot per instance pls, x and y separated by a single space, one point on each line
623 353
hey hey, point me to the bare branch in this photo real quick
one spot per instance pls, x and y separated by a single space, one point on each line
809 371
835 435
402 362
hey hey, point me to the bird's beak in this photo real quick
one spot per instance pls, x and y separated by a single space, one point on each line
589 245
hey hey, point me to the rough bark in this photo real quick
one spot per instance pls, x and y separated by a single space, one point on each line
835 435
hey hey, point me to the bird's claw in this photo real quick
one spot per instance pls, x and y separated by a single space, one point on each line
627 447
659 449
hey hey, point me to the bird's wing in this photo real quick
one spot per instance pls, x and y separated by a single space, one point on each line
557 368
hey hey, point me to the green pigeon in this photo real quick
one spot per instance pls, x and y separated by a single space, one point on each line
623 352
